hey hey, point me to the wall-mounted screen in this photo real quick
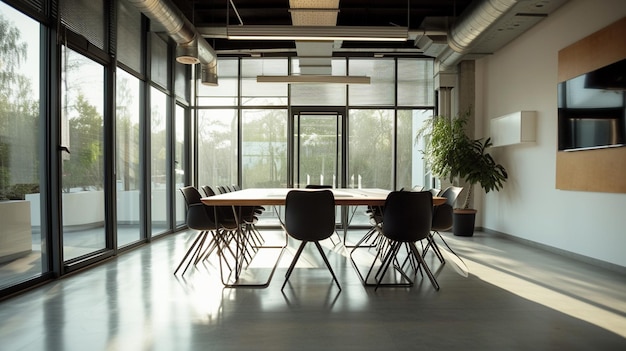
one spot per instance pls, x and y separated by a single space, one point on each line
592 109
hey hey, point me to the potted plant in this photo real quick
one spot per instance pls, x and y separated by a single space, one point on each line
452 155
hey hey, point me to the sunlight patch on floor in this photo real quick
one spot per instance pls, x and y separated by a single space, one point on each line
551 298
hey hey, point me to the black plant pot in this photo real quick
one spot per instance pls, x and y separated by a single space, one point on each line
464 220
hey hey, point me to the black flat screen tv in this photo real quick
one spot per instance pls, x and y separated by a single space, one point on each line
592 109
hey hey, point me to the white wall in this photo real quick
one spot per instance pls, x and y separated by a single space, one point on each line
523 76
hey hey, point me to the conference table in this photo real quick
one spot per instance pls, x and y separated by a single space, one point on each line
277 197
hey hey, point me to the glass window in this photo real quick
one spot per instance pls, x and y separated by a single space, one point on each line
370 149
320 94
128 171
179 163
217 147
21 127
415 82
370 154
82 83
182 81
409 161
225 93
262 94
264 148
159 161
381 91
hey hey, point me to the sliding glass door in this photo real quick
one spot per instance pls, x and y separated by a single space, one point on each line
82 126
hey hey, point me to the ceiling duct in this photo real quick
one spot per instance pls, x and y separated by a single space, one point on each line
192 48
487 25
314 57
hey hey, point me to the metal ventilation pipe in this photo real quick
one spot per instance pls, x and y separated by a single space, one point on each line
192 48
471 25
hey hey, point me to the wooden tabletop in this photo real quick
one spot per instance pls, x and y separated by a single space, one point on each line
277 196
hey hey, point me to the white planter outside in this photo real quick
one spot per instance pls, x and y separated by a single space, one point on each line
15 230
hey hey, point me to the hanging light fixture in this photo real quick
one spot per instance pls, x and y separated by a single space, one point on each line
313 79
314 33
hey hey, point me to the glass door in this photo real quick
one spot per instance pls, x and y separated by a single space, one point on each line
83 157
318 149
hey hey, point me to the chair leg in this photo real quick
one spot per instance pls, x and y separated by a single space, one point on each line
391 257
431 242
426 268
193 250
293 263
297 256
319 248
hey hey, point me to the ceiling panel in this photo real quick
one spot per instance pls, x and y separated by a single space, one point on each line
215 15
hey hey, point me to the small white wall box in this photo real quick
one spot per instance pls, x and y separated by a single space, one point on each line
514 128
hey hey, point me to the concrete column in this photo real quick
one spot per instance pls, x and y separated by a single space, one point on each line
466 93
445 82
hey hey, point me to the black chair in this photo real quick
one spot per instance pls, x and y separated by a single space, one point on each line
309 217
237 216
434 191
247 215
407 219
323 186
442 219
199 217
208 191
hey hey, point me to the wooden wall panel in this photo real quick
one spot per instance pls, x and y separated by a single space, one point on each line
604 47
602 170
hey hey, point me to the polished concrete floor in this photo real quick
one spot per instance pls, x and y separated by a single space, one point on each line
515 297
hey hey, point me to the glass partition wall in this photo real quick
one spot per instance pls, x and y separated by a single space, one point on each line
23 198
93 144
270 134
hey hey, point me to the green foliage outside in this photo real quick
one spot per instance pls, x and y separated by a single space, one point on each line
83 169
371 147
19 118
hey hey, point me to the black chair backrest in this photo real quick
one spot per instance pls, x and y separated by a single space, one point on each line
191 195
310 215
408 215
199 216
208 191
434 191
317 186
451 193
